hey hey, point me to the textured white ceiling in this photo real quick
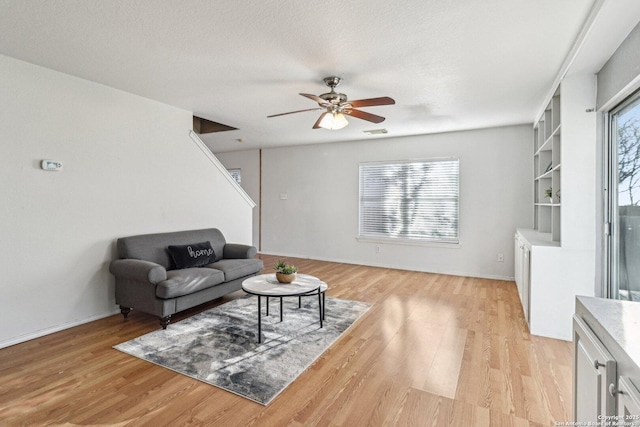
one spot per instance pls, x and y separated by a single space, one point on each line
450 65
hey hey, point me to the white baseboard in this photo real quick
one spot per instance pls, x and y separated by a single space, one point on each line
395 267
53 329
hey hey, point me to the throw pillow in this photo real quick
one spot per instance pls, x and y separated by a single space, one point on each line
193 255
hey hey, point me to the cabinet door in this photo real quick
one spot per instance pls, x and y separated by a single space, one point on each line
628 402
525 272
522 267
517 258
593 370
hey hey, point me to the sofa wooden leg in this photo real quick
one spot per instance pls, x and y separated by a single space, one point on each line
125 311
164 321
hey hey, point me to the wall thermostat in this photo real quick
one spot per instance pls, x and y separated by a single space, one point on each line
51 165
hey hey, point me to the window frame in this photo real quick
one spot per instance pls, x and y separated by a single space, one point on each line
449 243
610 235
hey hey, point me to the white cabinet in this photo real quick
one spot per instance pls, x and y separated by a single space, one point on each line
594 369
522 272
542 306
517 261
628 402
606 363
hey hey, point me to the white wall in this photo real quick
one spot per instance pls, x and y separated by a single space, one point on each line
129 168
621 74
319 218
249 163
578 160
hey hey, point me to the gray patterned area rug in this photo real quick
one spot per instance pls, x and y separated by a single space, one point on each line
219 346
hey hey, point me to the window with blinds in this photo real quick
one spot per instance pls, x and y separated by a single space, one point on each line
412 200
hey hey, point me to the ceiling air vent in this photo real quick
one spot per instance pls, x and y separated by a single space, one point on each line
375 131
201 126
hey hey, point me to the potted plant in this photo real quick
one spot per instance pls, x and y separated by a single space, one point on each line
285 273
549 193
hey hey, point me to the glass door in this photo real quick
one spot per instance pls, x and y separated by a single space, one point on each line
624 201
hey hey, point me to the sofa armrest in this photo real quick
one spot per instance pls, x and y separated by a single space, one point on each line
139 270
238 251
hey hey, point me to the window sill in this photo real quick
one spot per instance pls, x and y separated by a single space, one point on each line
409 242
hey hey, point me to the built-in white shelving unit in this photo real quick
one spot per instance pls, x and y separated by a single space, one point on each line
546 167
554 260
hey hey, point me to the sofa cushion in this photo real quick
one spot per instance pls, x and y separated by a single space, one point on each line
236 268
188 281
153 247
192 255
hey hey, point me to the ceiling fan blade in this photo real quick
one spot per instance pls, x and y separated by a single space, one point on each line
314 98
291 112
364 116
371 102
317 124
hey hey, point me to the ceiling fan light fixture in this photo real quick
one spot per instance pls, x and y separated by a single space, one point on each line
336 105
333 121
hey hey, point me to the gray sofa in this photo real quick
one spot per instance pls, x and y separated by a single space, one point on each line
148 280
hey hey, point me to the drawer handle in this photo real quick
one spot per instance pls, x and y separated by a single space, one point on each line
613 391
597 364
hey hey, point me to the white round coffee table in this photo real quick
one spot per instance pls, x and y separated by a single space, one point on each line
266 285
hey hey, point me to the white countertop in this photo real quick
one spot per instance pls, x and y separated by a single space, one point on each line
535 238
619 319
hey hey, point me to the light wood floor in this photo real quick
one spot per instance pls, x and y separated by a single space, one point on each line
434 350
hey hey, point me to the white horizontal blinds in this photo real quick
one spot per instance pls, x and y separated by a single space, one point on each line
410 200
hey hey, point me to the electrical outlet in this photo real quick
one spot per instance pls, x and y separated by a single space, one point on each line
377 249
500 257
